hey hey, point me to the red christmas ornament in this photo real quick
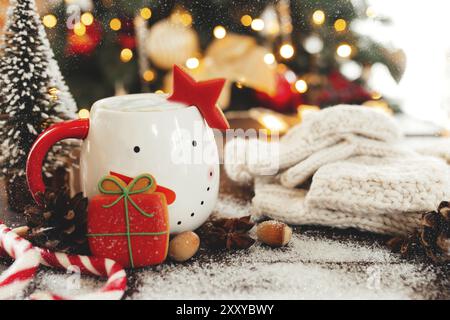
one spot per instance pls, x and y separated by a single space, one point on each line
284 100
127 41
203 95
338 89
126 37
84 44
129 223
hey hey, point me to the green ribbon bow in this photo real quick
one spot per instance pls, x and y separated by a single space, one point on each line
125 193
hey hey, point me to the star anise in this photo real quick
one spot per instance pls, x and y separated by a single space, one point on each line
227 233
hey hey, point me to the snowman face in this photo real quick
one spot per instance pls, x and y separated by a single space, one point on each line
144 133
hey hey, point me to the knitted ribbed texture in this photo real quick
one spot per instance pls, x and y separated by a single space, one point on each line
351 146
323 137
362 178
274 201
388 186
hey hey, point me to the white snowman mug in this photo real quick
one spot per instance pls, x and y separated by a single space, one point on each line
142 133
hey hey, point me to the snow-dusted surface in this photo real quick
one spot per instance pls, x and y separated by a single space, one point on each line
315 265
311 267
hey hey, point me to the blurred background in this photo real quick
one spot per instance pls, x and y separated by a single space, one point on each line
287 56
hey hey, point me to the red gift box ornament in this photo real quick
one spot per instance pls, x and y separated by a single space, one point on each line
129 223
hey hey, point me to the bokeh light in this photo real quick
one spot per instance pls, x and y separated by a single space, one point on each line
344 50
340 25
301 86
126 55
269 58
49 21
257 24
149 75
318 17
287 50
246 20
115 24
146 13
192 63
87 18
83 114
219 32
79 29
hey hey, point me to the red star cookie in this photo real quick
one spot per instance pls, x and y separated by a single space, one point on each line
202 94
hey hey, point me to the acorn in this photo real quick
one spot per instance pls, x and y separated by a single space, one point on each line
274 233
184 246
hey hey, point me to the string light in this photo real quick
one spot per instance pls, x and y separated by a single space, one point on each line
318 17
301 86
49 21
115 24
269 58
340 25
219 32
246 20
376 95
181 16
126 55
53 93
313 44
87 18
352 70
370 12
344 50
79 29
146 13
192 63
148 76
257 24
273 123
287 51
304 110
290 76
83 114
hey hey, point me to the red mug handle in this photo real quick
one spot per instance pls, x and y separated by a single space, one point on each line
77 129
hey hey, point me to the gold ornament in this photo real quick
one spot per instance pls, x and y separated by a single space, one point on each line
236 58
240 59
170 42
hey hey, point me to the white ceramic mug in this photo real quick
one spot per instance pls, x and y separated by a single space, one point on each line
143 133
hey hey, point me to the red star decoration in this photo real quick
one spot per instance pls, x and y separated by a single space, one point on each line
202 94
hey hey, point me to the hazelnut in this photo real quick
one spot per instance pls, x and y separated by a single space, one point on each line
274 233
184 246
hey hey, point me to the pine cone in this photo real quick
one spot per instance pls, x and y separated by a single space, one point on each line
431 239
60 223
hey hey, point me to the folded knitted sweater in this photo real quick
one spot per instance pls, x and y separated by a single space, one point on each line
382 195
327 136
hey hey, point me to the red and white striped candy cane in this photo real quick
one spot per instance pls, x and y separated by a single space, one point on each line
113 289
14 280
17 277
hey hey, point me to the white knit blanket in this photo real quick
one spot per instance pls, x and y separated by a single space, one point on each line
384 195
362 176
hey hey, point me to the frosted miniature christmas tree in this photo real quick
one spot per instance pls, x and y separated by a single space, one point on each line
66 106
33 95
